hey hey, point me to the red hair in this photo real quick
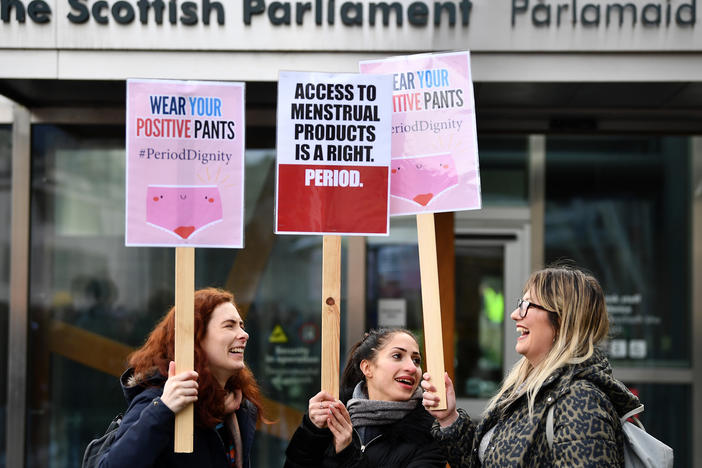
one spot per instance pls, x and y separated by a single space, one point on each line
159 350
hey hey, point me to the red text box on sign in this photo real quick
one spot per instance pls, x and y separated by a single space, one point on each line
312 199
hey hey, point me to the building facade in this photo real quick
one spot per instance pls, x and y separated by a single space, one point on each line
589 118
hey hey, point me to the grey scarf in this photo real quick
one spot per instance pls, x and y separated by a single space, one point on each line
365 412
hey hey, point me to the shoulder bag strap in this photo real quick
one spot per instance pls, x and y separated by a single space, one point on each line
633 412
549 426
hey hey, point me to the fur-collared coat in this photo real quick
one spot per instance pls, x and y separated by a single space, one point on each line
587 430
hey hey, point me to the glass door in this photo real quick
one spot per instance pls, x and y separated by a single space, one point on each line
490 270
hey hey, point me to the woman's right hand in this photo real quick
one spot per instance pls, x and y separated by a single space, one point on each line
430 400
318 409
180 390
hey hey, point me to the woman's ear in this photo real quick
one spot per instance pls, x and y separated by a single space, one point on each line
366 369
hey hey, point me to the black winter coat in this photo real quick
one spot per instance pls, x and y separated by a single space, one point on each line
406 443
145 437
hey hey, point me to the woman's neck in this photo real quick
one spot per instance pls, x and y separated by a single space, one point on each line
222 380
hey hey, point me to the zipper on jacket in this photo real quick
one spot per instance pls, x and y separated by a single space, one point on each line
365 446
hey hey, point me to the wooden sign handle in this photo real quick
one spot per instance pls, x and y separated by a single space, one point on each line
184 340
331 317
431 305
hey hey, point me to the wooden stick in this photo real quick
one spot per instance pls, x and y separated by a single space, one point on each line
431 305
331 317
184 340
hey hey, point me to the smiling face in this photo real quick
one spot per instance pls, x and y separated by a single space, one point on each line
224 342
536 332
395 372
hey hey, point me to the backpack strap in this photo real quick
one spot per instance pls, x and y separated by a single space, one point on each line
549 426
634 412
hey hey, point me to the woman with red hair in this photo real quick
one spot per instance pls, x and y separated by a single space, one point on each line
226 396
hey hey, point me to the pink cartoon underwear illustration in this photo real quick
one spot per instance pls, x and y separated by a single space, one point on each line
183 210
421 179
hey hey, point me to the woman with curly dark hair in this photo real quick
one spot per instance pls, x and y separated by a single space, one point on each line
226 396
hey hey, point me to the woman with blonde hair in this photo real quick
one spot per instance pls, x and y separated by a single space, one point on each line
561 319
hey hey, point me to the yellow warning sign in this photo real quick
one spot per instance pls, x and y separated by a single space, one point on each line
278 335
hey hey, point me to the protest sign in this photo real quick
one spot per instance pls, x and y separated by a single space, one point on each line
185 164
184 188
434 164
434 139
333 154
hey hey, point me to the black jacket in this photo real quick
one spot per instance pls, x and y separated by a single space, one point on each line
406 443
145 437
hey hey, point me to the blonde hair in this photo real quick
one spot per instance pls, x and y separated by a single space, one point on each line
582 323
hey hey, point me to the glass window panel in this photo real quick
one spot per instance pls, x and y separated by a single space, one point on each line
504 176
5 213
393 294
480 310
83 279
620 206
286 318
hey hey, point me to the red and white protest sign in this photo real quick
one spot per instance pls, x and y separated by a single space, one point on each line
333 153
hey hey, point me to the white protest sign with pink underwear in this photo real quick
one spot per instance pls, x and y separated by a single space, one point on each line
434 140
185 164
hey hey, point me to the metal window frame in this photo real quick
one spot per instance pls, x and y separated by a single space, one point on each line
537 198
19 290
696 281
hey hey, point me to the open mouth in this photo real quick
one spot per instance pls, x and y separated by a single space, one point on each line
405 381
523 332
237 350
